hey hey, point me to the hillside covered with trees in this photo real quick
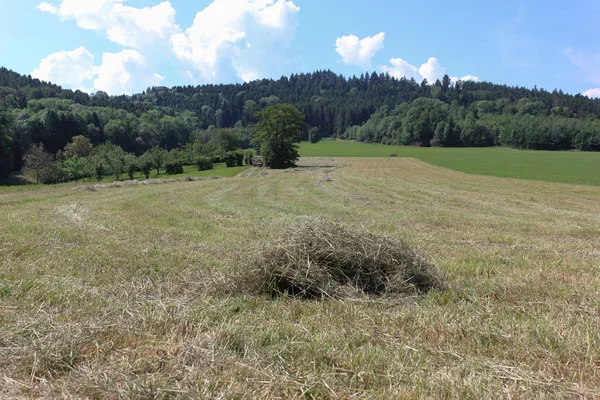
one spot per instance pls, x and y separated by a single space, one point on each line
370 108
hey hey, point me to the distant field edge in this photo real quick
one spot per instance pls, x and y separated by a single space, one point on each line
570 167
219 171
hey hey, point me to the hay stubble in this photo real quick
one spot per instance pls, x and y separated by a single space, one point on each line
119 292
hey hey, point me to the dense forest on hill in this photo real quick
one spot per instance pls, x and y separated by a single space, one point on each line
370 108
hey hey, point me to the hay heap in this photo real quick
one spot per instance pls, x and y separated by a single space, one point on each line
328 260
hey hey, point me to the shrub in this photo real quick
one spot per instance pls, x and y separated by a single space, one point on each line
204 163
328 260
248 157
314 135
174 167
239 158
234 159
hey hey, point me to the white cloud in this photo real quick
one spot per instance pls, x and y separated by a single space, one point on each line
47 7
359 52
431 70
120 73
592 93
124 25
229 39
401 69
69 68
471 78
243 39
124 72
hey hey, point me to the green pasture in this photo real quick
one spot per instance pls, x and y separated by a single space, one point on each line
562 167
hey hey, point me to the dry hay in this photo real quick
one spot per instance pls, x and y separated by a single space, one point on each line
318 260
93 188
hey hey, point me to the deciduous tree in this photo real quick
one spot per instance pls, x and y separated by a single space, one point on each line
276 134
80 146
40 163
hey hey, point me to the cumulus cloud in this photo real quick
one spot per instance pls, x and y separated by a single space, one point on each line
466 78
592 93
47 7
359 52
228 40
120 73
431 70
124 72
128 26
400 69
244 38
70 68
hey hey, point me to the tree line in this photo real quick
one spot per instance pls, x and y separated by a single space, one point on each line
371 108
81 160
523 125
275 135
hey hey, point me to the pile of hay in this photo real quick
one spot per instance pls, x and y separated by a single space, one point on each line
328 260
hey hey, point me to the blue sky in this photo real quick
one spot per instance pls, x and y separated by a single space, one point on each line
125 46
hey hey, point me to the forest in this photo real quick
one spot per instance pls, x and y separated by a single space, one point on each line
372 108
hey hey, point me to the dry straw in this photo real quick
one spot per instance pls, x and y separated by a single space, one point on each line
324 259
93 188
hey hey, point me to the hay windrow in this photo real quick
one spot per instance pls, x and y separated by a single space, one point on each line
325 259
93 188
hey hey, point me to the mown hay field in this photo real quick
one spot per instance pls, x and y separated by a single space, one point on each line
131 292
575 167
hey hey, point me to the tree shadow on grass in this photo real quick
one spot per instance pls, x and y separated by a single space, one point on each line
15 179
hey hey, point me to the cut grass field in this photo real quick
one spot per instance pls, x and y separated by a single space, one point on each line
581 168
130 292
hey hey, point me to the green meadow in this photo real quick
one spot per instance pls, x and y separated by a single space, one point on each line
19 182
562 167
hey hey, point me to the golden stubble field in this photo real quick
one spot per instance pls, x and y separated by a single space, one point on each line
129 292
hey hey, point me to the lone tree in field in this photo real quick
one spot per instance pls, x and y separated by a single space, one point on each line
38 162
276 134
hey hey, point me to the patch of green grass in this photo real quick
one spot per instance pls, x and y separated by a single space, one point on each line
562 167
188 170
219 170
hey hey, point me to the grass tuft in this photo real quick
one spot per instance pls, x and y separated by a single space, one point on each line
327 260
